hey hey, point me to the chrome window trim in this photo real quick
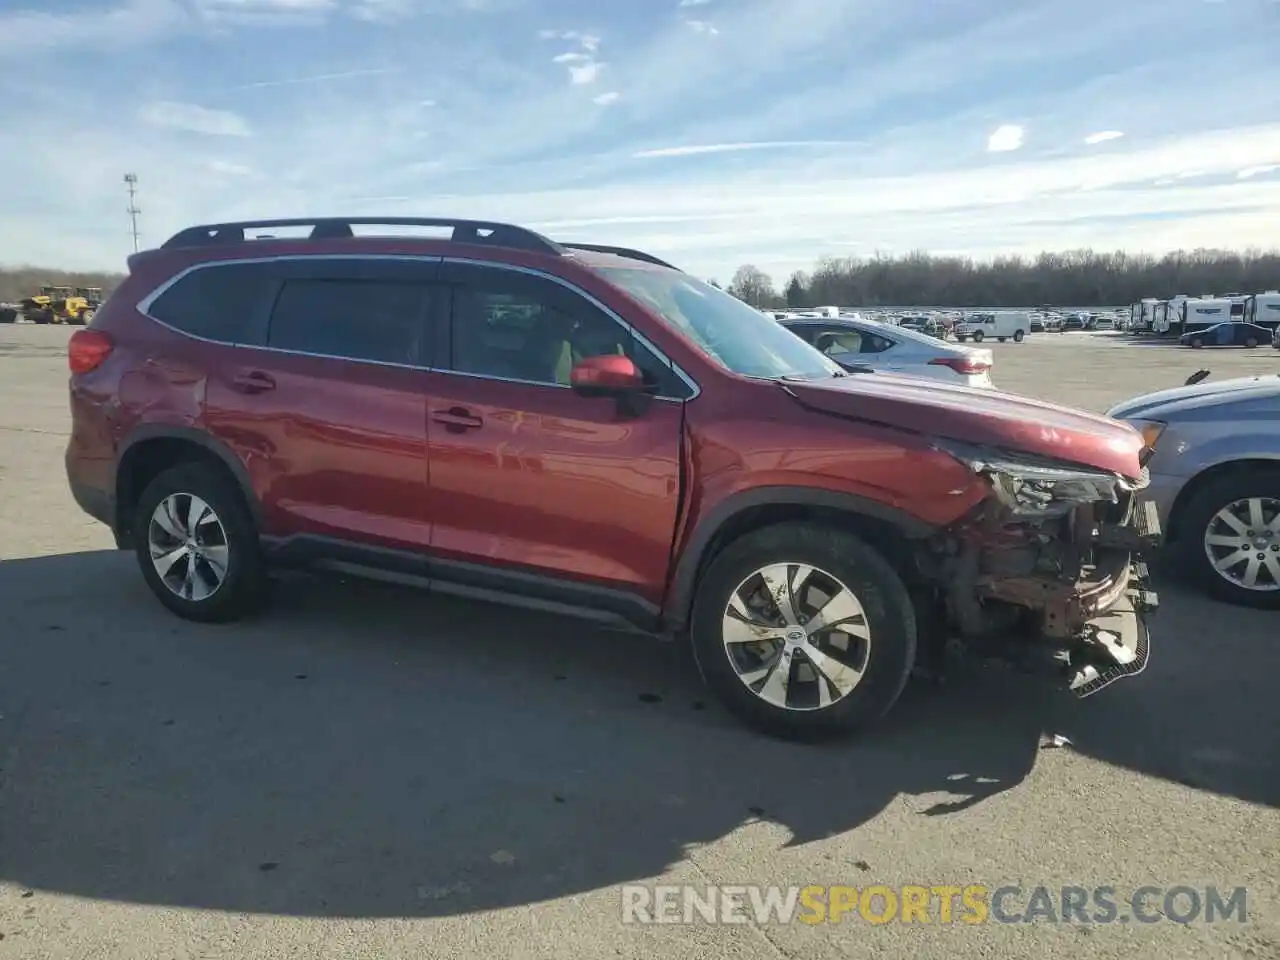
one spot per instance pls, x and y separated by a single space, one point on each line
146 303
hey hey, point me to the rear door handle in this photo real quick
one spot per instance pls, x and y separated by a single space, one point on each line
457 419
254 382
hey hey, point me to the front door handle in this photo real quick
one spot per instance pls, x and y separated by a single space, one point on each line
457 419
253 382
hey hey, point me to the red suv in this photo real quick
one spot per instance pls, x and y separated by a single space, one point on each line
590 429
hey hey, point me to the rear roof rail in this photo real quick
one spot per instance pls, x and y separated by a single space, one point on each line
479 232
626 252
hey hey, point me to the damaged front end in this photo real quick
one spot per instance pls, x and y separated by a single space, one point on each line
1050 568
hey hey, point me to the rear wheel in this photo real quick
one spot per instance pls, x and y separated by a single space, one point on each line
804 632
1251 342
197 545
1229 538
1197 343
1018 336
977 336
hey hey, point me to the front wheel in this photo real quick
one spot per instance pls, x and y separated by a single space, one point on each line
197 545
804 632
977 336
1229 538
1251 343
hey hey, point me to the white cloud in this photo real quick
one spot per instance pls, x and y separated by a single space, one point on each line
1250 172
700 148
318 78
194 119
128 22
1005 138
587 72
1103 136
230 169
604 99
583 66
702 26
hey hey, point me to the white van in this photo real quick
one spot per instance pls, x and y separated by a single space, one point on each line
1005 325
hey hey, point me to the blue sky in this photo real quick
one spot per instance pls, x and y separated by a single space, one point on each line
715 132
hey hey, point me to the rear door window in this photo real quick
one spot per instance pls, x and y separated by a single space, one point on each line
224 303
354 319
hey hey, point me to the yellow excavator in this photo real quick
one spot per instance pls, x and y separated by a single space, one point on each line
59 304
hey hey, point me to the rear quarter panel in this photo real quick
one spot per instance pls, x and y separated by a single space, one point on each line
153 376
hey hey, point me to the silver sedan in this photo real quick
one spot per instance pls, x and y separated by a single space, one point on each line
1215 480
867 344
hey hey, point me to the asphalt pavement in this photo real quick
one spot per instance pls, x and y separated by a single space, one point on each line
372 772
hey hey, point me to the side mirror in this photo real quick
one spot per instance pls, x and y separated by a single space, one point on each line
610 375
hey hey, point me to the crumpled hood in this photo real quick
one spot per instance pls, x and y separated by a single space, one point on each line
978 415
1168 404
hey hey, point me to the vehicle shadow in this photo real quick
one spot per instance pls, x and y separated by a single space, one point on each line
368 751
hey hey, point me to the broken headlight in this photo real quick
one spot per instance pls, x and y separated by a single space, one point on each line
1032 487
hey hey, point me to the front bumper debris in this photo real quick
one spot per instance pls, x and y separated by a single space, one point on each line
1116 642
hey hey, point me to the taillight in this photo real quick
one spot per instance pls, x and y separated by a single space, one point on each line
965 365
87 349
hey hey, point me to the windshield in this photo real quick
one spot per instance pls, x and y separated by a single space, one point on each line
737 336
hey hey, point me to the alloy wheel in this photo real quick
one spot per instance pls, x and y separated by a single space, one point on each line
1242 541
796 636
188 546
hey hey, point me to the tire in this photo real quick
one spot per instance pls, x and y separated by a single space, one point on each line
961 337
82 318
1251 343
839 560
1194 524
1019 336
1197 343
8 315
40 316
244 583
977 336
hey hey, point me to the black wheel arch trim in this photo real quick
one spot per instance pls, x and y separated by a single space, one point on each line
684 580
154 431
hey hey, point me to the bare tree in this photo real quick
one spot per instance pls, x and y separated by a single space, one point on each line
797 292
752 285
1073 278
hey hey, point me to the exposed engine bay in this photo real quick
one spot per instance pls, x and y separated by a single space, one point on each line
1049 568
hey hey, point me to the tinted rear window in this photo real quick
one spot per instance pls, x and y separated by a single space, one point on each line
351 319
223 303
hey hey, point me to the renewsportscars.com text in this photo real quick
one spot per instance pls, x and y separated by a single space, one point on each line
969 904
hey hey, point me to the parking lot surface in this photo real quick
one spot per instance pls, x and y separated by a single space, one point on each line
374 772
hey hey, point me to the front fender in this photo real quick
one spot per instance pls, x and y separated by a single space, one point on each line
699 540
